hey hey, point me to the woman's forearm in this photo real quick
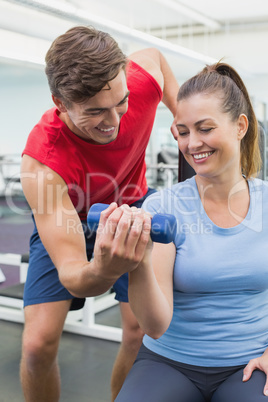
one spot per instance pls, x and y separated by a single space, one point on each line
150 305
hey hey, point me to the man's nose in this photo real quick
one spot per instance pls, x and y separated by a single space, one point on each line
112 118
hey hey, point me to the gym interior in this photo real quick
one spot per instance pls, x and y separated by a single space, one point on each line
190 35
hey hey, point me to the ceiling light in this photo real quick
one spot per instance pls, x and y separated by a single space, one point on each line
73 13
189 12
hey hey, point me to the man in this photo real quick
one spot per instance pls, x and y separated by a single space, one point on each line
89 148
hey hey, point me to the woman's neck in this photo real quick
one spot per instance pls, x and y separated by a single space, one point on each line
225 202
220 189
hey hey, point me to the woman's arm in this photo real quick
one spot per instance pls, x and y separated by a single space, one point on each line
151 290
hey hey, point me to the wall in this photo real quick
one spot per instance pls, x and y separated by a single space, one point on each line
24 97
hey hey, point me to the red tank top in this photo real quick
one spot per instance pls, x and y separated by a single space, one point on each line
101 173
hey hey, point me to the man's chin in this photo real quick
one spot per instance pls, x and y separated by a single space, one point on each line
107 139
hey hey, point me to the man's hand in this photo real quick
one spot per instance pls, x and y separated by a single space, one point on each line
122 242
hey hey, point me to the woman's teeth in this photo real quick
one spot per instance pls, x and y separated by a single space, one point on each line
204 155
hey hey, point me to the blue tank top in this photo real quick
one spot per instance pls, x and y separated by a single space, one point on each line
220 287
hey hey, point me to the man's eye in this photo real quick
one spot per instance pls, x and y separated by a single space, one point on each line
123 102
96 113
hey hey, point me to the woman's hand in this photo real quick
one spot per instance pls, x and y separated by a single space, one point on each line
260 363
123 240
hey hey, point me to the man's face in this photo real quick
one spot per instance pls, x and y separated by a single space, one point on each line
97 120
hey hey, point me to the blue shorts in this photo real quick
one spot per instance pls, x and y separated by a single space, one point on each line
42 283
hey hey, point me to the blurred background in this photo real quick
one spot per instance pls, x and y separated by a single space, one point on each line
190 34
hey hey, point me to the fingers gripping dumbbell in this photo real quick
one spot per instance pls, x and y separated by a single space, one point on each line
163 226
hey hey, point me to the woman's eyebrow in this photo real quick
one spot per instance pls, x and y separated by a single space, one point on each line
196 123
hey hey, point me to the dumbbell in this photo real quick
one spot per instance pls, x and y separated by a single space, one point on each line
163 226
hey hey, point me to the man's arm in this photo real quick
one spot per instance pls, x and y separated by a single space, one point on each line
61 232
153 61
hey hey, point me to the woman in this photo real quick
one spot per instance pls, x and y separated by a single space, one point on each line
203 300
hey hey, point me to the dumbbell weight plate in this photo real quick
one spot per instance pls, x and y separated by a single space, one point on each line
163 227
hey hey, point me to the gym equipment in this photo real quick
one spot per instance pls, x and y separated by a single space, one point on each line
82 322
2 276
163 227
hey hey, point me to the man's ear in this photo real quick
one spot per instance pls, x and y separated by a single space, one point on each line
242 126
59 104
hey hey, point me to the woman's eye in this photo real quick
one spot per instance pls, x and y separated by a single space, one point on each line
182 132
206 130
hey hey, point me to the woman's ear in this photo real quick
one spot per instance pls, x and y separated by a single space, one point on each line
59 104
242 126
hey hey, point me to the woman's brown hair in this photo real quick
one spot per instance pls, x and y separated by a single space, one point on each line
81 62
222 79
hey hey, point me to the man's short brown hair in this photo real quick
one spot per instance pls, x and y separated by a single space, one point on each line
81 62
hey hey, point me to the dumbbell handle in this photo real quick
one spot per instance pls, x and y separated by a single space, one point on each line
163 226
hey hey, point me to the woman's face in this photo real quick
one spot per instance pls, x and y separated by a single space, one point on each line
207 137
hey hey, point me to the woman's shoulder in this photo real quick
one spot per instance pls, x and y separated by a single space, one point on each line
169 199
258 185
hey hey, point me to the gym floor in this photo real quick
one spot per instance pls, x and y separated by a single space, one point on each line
85 363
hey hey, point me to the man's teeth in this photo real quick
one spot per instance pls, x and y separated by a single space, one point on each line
200 156
107 129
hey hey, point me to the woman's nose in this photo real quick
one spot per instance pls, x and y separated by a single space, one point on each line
195 141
